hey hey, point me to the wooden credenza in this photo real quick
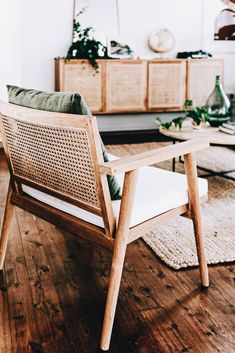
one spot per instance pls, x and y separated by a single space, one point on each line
138 85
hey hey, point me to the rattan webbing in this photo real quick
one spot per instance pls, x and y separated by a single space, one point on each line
56 157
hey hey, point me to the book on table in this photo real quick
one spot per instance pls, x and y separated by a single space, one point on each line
226 130
230 126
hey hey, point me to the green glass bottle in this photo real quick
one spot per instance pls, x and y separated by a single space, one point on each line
218 105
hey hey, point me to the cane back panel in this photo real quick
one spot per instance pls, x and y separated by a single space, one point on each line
58 158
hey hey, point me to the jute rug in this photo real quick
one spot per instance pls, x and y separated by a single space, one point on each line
174 241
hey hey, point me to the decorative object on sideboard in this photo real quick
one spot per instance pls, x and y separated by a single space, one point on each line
218 105
84 45
197 54
117 48
196 114
161 41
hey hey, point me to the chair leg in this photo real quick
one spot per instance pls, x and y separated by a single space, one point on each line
195 205
5 227
199 237
113 291
118 257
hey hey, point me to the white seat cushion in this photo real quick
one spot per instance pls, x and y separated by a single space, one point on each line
157 191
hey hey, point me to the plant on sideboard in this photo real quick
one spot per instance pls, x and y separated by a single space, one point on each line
196 114
84 45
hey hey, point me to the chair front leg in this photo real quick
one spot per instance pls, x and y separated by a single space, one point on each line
195 208
6 226
118 256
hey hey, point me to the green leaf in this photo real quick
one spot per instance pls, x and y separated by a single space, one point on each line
188 103
197 114
178 122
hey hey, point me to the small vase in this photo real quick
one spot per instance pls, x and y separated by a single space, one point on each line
218 105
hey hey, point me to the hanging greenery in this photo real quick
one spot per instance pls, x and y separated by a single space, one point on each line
196 114
84 45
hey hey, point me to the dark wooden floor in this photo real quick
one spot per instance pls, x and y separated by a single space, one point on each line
53 291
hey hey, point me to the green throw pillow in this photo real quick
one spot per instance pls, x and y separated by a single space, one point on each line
59 102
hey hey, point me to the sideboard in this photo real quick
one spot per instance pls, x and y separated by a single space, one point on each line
124 86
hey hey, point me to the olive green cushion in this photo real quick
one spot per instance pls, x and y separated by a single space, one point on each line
59 102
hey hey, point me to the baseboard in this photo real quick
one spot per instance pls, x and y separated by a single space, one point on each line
122 137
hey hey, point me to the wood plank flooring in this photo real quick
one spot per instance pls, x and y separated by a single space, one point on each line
53 290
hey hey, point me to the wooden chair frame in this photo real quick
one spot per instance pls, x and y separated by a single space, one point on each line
112 237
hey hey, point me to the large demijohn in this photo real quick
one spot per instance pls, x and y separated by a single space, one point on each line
218 105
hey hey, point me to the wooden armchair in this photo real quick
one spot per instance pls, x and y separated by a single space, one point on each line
57 173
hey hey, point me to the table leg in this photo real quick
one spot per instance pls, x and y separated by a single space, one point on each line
173 161
211 173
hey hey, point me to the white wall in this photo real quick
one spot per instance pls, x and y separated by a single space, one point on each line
46 34
138 18
41 30
10 33
4 45
191 22
32 34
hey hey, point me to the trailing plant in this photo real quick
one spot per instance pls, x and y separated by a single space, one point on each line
84 45
190 112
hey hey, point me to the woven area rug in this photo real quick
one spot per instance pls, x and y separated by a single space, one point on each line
174 241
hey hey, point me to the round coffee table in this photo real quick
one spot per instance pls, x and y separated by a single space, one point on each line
211 134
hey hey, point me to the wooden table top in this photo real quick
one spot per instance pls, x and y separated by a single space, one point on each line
212 134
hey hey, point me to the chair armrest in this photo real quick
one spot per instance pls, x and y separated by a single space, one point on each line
143 159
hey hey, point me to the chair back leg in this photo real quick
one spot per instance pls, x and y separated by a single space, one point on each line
6 227
118 257
195 208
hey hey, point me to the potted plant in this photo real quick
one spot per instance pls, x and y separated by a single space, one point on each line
195 114
84 45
